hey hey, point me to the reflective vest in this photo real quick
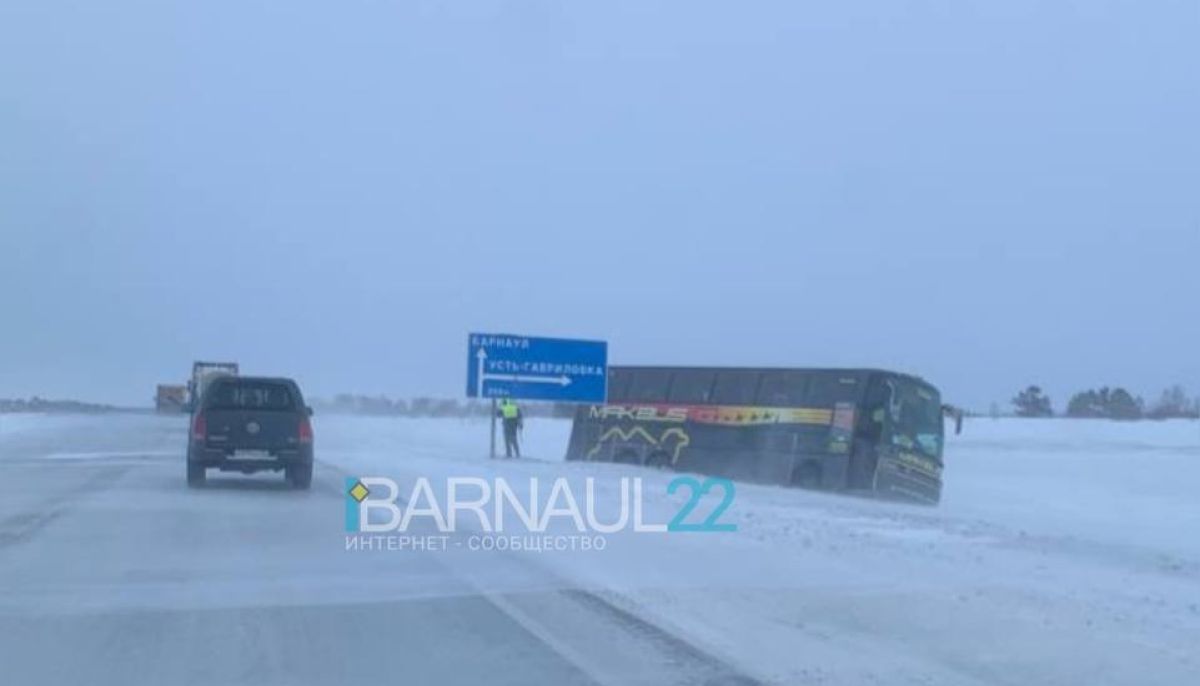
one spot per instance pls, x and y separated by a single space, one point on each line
509 410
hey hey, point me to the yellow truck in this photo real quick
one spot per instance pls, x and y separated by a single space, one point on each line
170 398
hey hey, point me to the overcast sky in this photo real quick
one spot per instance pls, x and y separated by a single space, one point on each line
984 193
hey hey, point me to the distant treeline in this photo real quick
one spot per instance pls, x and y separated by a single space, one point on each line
383 406
1108 403
36 404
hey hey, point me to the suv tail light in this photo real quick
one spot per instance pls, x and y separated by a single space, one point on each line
199 427
306 434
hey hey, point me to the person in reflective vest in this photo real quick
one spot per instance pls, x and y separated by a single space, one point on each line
511 414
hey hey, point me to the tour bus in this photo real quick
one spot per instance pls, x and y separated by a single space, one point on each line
859 430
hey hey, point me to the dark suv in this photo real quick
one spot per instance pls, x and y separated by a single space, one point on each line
251 424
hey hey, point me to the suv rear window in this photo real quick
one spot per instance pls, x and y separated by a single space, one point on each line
240 395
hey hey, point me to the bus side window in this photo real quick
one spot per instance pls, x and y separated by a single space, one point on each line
618 385
692 387
735 387
874 414
826 389
783 389
649 386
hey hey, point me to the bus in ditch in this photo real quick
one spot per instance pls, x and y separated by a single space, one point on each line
865 431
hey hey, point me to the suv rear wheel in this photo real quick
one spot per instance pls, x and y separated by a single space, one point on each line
195 475
299 475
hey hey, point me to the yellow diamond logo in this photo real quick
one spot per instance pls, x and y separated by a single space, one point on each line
359 492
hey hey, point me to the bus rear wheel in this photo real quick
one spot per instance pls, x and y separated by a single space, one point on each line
658 460
626 456
807 476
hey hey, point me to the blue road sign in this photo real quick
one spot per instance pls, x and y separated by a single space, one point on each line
528 368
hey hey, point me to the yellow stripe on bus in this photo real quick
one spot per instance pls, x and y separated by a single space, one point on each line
723 415
751 415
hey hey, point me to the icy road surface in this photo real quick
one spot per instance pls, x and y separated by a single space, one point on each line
1065 552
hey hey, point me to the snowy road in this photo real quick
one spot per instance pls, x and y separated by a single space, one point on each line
114 573
1064 553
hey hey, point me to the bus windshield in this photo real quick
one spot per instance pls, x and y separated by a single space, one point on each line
916 417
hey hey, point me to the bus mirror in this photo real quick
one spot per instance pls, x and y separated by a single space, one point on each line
957 413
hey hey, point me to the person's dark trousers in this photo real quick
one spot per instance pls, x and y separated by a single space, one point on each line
511 447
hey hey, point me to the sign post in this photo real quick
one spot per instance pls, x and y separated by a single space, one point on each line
520 367
492 449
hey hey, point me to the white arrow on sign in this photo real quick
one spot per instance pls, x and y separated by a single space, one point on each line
480 377
524 378
481 355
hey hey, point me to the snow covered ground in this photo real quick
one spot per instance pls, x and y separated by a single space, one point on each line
1064 552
